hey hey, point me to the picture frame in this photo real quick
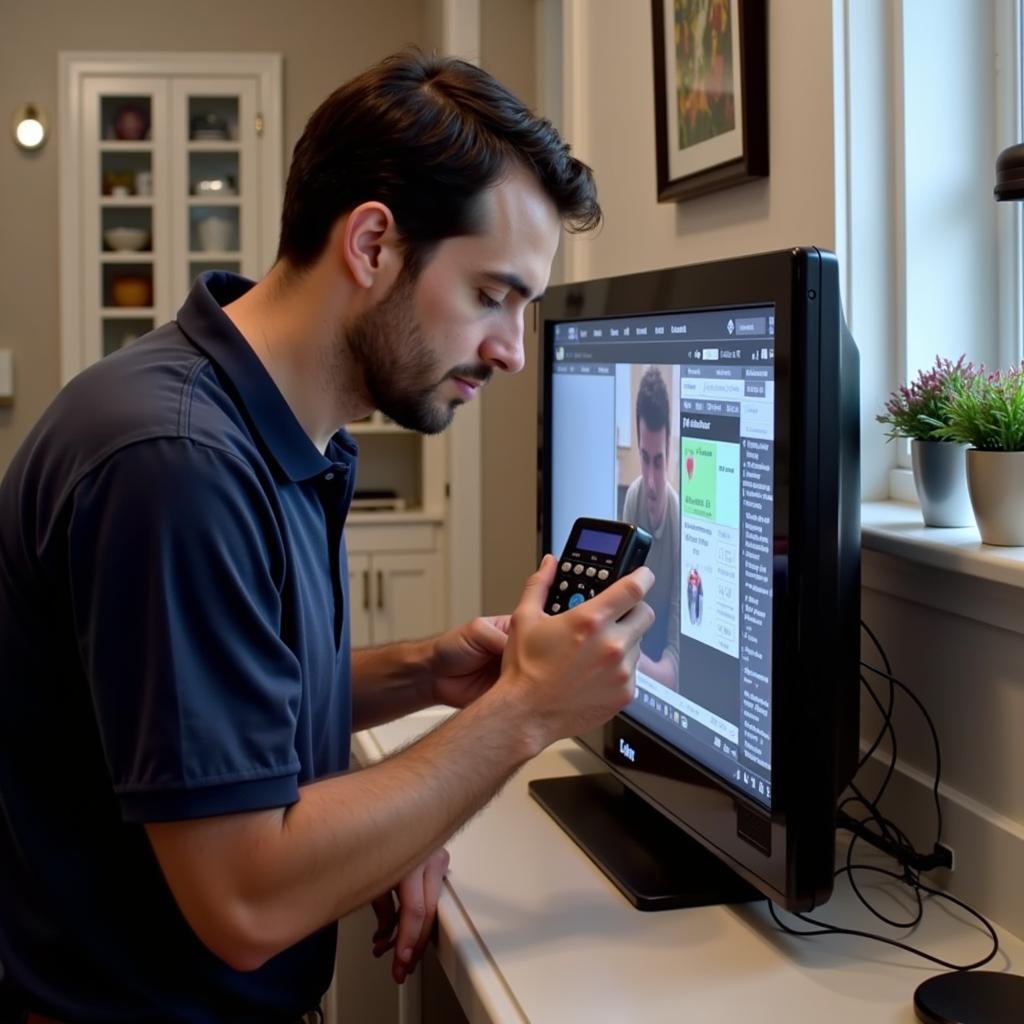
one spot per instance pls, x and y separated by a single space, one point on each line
710 95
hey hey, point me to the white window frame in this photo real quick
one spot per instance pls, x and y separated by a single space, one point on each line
928 92
1010 130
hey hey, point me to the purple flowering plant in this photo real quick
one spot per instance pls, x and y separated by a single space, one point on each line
921 409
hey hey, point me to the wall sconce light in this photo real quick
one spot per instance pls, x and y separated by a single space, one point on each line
29 127
1010 173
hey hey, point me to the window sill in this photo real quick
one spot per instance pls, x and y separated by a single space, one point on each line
946 569
895 528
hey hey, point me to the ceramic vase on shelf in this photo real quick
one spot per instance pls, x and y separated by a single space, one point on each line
214 234
940 476
996 482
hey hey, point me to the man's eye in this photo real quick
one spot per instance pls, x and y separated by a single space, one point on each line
488 302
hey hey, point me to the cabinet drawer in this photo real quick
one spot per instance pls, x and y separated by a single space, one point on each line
373 537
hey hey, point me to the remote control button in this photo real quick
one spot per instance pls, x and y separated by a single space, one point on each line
591 571
575 600
566 566
564 585
578 570
556 608
603 574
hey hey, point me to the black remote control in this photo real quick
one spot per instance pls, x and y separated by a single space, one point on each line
597 553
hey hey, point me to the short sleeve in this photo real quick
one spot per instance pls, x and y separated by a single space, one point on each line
175 559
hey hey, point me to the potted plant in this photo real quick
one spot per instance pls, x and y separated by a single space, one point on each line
988 415
919 411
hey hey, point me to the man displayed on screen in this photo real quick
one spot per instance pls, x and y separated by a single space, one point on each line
653 504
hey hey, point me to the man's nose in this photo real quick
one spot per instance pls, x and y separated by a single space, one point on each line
503 347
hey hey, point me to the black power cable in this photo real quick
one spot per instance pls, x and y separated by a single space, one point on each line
885 835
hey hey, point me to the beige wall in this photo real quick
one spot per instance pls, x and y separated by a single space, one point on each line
608 118
611 120
323 43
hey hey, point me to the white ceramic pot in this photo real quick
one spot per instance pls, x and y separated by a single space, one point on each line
940 476
996 483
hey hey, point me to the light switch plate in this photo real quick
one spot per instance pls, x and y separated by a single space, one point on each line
6 376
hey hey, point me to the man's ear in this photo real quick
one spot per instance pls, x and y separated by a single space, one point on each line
366 241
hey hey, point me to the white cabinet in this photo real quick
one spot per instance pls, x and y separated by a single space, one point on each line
170 164
395 594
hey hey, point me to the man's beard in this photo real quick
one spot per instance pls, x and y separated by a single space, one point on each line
399 371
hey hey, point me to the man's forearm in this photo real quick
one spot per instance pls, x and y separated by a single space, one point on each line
390 681
281 874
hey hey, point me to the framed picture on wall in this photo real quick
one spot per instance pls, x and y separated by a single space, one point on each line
710 94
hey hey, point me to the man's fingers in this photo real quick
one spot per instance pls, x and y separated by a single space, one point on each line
535 592
623 594
387 918
411 912
435 870
637 621
488 637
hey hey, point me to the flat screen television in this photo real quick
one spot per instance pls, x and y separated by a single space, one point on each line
717 406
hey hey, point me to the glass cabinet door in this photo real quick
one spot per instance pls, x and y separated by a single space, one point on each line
170 164
124 231
214 177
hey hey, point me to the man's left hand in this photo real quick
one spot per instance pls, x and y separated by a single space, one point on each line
466 660
407 926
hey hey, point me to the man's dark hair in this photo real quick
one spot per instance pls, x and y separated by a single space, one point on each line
425 136
652 402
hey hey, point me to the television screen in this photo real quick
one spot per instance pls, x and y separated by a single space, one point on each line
715 406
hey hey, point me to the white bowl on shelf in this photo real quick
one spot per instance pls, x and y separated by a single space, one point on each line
126 239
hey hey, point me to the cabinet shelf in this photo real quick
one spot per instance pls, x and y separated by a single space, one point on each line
122 146
408 516
217 256
213 146
126 201
141 256
126 312
214 200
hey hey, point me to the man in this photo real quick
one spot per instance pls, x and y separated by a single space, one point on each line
177 836
653 504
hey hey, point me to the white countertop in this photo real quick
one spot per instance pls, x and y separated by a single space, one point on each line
530 930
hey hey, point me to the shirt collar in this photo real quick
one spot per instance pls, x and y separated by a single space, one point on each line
211 330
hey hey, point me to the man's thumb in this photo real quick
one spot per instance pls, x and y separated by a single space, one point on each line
535 593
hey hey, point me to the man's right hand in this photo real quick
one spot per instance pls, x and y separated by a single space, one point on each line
572 672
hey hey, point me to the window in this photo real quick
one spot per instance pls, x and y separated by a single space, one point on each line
928 93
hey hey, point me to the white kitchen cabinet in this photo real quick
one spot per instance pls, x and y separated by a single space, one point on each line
395 595
170 164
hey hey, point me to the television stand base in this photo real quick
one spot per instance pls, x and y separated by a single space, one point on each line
655 865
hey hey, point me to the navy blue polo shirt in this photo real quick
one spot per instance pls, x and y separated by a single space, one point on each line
173 583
